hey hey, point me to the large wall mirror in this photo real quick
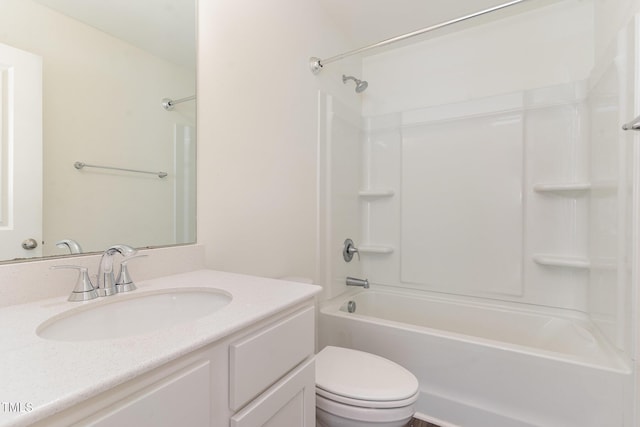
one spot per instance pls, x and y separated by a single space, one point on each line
90 155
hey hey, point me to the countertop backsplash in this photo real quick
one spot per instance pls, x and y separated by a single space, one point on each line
28 281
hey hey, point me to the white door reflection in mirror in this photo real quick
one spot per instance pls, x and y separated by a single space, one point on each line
20 153
185 183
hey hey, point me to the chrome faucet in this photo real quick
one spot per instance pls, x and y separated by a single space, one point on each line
83 290
352 281
106 278
124 282
72 245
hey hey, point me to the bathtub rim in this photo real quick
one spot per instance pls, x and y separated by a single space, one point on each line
618 363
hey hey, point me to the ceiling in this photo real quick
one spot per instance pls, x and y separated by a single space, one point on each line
365 22
166 28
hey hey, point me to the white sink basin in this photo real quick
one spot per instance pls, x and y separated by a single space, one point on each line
128 315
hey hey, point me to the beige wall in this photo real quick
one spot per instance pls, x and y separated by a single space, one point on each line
257 132
610 17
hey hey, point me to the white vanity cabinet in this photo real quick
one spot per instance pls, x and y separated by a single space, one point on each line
262 375
261 378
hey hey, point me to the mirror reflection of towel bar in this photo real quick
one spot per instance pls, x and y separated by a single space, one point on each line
80 165
168 103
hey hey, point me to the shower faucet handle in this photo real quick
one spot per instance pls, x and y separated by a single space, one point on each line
349 250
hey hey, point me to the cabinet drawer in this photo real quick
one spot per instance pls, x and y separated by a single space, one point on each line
258 361
291 402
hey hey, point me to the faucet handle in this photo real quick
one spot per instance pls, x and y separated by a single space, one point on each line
349 249
124 283
84 290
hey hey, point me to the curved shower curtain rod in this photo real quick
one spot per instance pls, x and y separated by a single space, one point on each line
316 64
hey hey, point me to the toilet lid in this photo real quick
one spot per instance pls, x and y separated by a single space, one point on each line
363 376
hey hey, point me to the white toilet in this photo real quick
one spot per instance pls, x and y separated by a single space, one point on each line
358 389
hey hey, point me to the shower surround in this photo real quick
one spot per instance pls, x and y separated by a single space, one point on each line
472 179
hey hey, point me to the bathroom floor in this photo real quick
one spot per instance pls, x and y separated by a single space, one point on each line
419 423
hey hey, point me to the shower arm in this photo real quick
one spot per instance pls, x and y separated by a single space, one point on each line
316 64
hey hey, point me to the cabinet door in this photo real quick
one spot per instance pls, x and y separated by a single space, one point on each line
290 402
182 399
257 361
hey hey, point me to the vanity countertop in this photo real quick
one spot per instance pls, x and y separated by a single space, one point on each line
44 377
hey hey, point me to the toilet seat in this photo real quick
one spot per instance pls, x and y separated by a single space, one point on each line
374 404
363 380
364 414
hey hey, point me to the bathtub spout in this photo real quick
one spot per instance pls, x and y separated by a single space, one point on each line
352 281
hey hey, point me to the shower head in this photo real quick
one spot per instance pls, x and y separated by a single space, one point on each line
361 85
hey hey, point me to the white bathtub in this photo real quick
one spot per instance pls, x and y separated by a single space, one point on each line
488 365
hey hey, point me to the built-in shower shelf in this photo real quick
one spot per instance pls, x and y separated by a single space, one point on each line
375 249
568 189
561 261
605 185
604 264
376 193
